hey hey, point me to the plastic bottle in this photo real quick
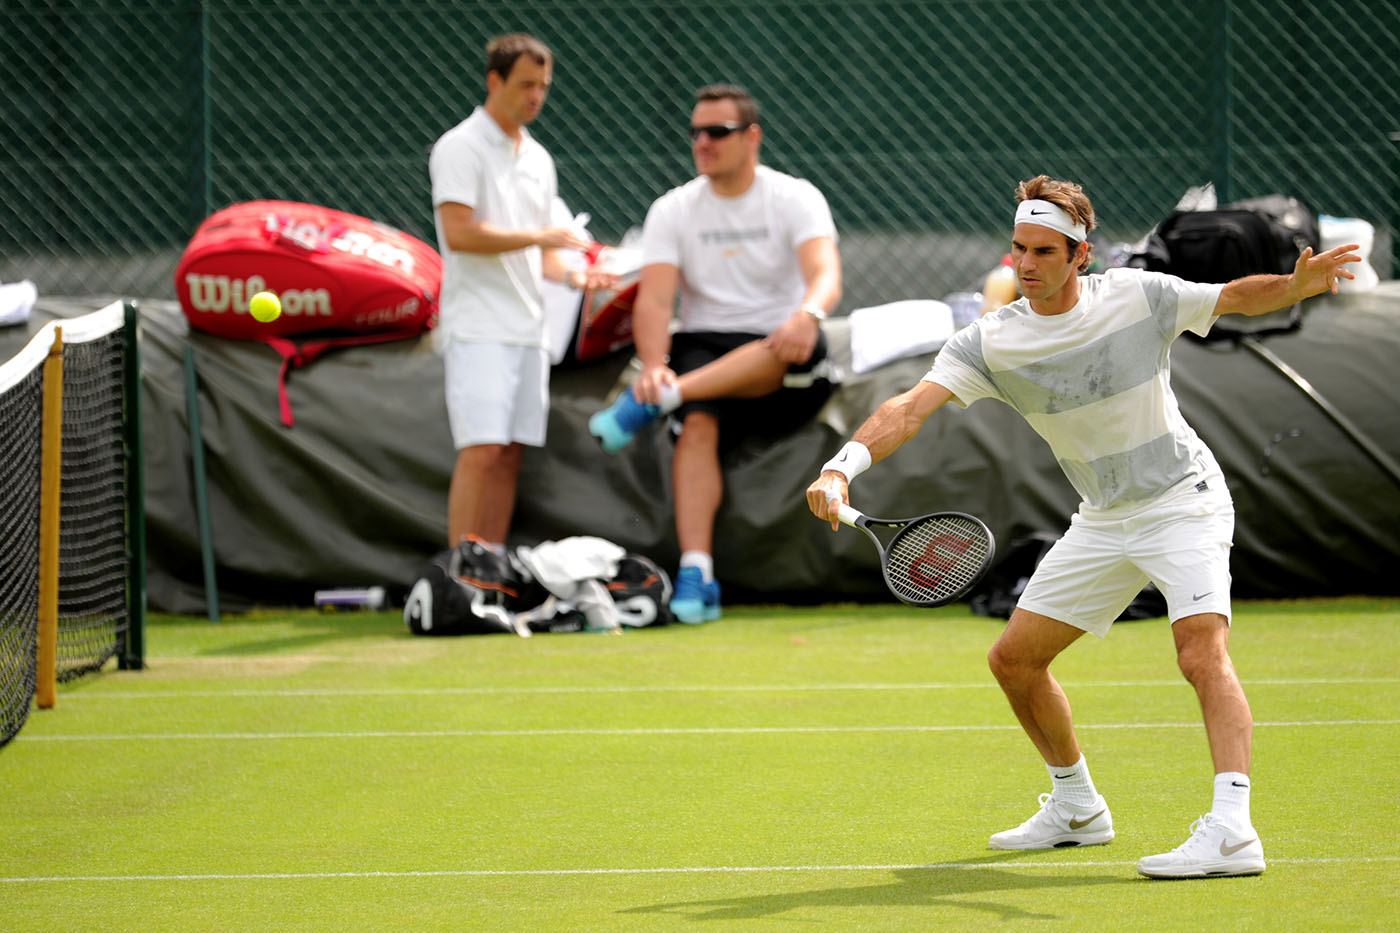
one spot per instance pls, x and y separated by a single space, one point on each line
370 597
1000 288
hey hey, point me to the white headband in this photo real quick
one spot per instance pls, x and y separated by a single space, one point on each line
1050 215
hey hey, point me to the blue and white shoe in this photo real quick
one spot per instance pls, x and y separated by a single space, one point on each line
617 424
695 600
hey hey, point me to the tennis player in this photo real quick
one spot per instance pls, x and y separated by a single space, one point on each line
752 254
1085 360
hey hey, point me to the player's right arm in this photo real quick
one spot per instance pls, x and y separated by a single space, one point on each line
892 425
651 329
465 233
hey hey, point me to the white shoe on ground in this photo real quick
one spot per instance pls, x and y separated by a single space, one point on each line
1059 824
1215 848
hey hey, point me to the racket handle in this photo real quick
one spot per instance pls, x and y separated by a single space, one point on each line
847 514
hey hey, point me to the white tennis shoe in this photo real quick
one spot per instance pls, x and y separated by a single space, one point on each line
1215 848
1057 825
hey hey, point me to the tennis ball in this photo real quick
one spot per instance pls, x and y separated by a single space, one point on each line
265 307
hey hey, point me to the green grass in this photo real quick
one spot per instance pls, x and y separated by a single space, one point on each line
839 767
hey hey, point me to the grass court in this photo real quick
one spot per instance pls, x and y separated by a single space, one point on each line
836 767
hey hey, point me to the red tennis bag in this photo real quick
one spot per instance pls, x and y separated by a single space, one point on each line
344 278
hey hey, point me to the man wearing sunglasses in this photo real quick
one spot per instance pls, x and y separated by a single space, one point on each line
751 252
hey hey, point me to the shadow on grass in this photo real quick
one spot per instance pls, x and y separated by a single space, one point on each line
970 885
272 633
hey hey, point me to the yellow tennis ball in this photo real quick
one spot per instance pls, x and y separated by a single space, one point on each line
265 307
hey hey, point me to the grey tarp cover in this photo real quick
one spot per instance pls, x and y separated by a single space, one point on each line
354 493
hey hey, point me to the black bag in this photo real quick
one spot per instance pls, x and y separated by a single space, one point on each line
1261 235
640 596
468 590
1250 237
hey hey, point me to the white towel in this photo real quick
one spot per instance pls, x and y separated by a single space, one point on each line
882 333
16 301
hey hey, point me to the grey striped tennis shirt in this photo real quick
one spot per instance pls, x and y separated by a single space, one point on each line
1095 381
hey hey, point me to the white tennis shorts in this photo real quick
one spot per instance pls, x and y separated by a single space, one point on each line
1181 543
496 393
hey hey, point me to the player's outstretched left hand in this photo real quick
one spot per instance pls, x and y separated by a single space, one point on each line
1317 274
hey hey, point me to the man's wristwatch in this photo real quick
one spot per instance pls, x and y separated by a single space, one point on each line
817 311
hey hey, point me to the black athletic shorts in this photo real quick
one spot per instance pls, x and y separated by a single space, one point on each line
805 391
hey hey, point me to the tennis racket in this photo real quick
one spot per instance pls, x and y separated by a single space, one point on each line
932 560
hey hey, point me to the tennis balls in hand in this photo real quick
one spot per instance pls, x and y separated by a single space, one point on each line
265 307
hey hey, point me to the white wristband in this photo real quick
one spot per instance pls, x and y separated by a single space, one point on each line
853 460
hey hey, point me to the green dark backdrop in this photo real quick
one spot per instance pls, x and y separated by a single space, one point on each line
127 122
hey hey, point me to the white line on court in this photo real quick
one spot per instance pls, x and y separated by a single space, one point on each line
673 688
722 730
699 870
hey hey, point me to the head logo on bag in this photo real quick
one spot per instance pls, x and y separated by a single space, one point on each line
641 591
468 589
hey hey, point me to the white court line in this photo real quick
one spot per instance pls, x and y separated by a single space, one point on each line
674 688
736 730
699 870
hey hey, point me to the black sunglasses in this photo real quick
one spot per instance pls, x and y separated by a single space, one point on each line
717 130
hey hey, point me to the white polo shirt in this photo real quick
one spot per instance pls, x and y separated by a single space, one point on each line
737 256
492 296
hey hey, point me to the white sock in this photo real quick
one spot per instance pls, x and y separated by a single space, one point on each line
702 560
1072 784
1232 798
670 398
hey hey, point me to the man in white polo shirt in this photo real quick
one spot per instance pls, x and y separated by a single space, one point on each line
493 186
1085 360
751 253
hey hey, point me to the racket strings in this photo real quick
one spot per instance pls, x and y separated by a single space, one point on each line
937 557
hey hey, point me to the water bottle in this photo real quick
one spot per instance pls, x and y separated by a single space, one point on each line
369 597
1000 288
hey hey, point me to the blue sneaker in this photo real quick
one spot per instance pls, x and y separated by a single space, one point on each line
617 424
695 601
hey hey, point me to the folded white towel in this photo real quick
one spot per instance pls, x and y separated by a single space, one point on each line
882 333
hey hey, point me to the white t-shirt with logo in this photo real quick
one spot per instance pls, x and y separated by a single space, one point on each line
737 256
1095 382
492 296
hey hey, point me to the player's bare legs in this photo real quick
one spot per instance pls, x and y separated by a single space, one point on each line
1202 654
1223 842
1073 814
481 496
1020 661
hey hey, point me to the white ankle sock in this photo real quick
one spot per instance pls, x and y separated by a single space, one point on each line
702 560
1072 784
1232 798
670 398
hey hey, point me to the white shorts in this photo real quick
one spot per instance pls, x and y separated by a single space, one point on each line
1181 543
496 393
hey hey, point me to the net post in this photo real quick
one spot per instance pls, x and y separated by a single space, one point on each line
132 654
201 491
51 472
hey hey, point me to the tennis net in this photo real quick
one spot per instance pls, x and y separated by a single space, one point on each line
101 541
